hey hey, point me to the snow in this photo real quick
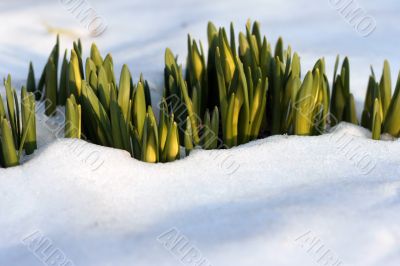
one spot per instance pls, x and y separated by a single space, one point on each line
284 200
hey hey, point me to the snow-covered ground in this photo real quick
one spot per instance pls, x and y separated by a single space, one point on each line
328 200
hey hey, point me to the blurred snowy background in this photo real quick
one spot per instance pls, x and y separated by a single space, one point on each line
138 32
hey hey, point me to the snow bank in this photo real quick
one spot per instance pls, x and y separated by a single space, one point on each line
285 194
327 200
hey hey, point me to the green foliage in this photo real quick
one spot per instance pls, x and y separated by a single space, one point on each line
342 102
73 122
350 113
304 106
9 154
74 85
53 57
54 86
385 87
196 75
210 133
28 120
117 115
240 77
31 82
379 114
376 120
391 123
17 129
51 88
310 105
62 93
243 91
373 93
177 95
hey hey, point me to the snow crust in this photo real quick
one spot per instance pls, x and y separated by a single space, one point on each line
285 200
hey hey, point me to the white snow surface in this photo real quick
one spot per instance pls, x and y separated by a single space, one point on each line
285 200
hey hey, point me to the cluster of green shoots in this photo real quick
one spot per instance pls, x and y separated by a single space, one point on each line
104 112
252 91
17 125
227 96
381 112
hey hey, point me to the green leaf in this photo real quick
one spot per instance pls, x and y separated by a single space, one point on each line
150 139
2 110
124 93
95 56
279 50
75 78
96 112
368 103
139 109
338 101
25 134
80 45
223 99
136 145
163 124
385 87
78 52
212 32
345 77
207 132
51 88
90 67
115 125
62 94
72 118
303 106
350 114
28 122
188 138
169 59
108 66
215 127
54 57
12 110
104 89
31 83
276 96
146 89
7 144
376 121
258 109
296 67
93 81
230 138
392 119
228 61
172 147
